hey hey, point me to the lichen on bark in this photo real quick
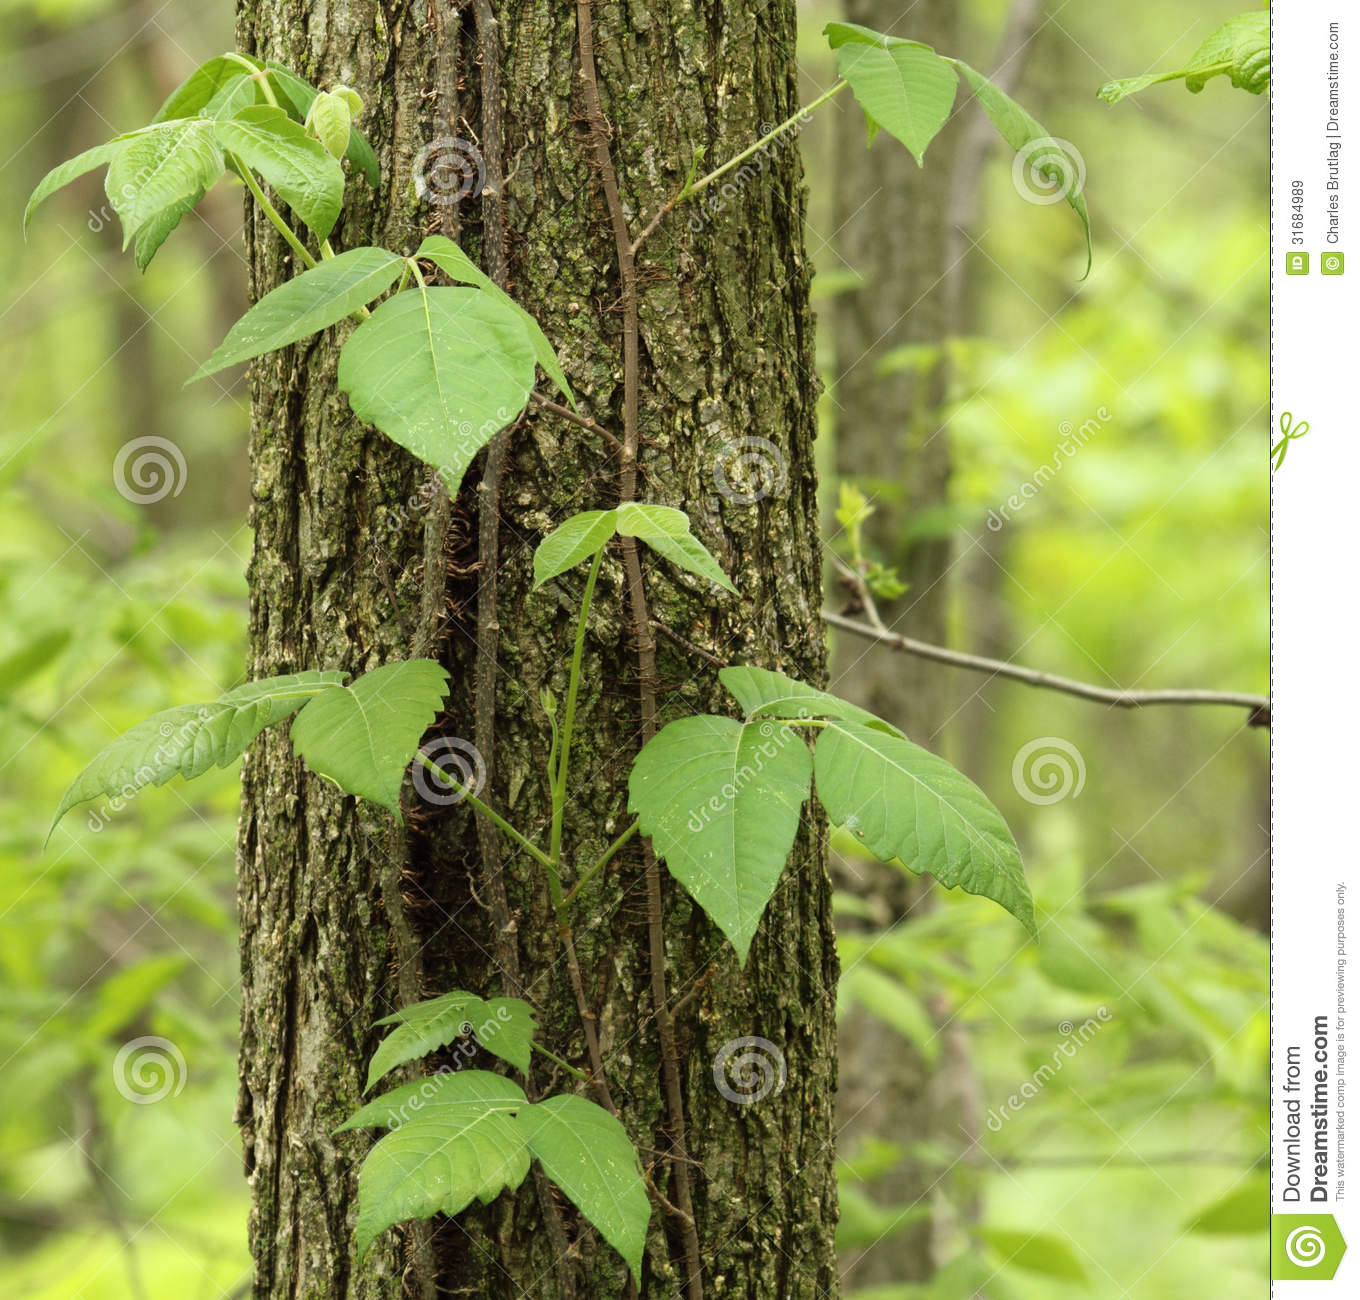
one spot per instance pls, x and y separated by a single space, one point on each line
337 579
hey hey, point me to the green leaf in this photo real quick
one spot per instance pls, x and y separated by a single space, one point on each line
235 94
186 741
570 543
320 296
329 119
1243 1211
459 267
586 1152
152 235
203 85
299 95
903 802
503 1026
766 694
1238 50
65 173
456 1141
159 169
1036 1252
1041 151
440 371
902 86
305 176
362 736
666 531
721 801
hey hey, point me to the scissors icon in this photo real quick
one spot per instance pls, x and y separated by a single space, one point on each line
1290 431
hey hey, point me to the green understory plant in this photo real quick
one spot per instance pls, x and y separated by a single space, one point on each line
440 369
1238 50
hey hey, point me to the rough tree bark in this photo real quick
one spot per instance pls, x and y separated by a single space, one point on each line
343 915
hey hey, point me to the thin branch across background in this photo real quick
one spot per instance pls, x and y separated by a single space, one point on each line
1257 706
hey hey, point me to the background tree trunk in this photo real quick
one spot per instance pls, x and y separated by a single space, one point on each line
908 228
343 916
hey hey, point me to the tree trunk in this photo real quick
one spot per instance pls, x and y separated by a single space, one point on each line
344 916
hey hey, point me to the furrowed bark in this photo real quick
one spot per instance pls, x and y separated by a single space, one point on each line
342 577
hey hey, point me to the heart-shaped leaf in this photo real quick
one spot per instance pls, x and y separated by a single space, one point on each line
721 801
902 86
460 268
362 735
440 371
766 694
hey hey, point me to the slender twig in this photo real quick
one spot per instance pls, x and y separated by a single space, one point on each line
691 188
559 791
671 634
646 646
557 1060
581 421
272 212
1116 697
448 779
597 866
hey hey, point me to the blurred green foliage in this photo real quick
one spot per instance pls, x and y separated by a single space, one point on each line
1140 560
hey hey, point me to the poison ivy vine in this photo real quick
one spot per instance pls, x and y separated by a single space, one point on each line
440 369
